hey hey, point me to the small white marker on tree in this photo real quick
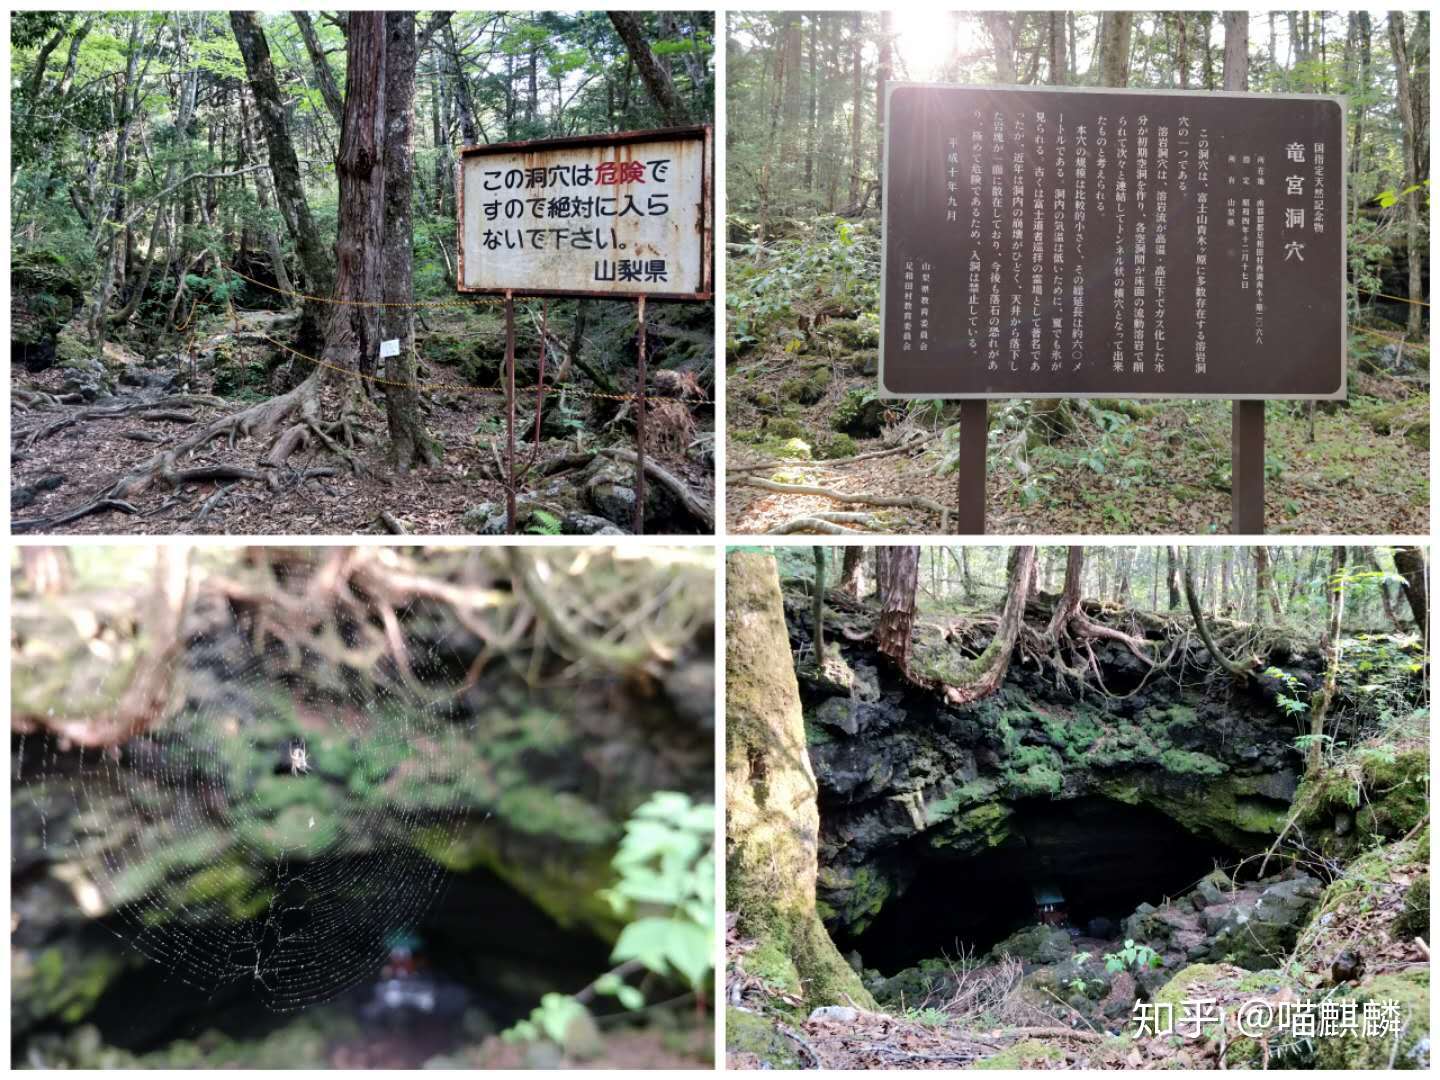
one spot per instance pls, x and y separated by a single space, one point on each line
390 347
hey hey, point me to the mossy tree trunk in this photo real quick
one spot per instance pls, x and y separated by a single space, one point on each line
772 818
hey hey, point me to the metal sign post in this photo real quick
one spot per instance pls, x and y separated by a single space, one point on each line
618 216
509 413
970 501
639 528
1066 242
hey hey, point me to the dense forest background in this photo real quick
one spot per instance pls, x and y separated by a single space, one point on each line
806 144
182 236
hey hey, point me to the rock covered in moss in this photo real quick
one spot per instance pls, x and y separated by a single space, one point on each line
1037 945
1404 997
1259 934
752 1042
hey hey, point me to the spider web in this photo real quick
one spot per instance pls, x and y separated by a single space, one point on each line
200 845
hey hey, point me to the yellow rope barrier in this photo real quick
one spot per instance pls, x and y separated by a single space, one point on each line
460 388
1387 296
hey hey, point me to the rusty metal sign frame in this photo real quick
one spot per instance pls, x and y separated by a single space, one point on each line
1339 394
703 133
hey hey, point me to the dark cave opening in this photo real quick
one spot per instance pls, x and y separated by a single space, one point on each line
481 945
1104 859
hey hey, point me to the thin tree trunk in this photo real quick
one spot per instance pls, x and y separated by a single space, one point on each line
1410 565
318 60
1315 755
817 613
857 102
1201 626
657 79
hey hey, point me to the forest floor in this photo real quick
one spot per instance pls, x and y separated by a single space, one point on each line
1365 471
66 465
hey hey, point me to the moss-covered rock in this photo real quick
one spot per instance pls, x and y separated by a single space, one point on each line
1027 1054
1037 944
835 446
1404 997
1414 920
860 413
1377 795
758 1042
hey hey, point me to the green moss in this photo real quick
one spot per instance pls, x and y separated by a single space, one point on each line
1410 992
806 390
975 830
1177 991
1378 795
836 446
784 428
856 896
750 1033
1023 1055
62 984
561 879
1036 781
1191 763
1414 919
231 884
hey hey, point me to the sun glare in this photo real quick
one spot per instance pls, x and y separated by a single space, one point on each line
928 41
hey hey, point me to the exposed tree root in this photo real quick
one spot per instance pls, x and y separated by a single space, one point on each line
909 502
908 444
832 522
693 504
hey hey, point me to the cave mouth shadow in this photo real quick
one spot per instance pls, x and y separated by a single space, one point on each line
1104 858
481 945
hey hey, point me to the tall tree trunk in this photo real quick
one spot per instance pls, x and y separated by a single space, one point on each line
882 80
1265 590
897 574
857 105
817 609
1237 50
106 235
813 119
1172 577
313 253
772 816
1410 565
1315 754
1058 64
351 336
1115 54
409 445
851 569
1412 130
1001 25
464 101
657 79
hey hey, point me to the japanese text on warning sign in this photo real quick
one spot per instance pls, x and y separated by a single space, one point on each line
613 215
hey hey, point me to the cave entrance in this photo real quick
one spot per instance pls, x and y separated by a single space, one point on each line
1084 863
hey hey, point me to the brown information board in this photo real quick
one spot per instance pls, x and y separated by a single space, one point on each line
1051 242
